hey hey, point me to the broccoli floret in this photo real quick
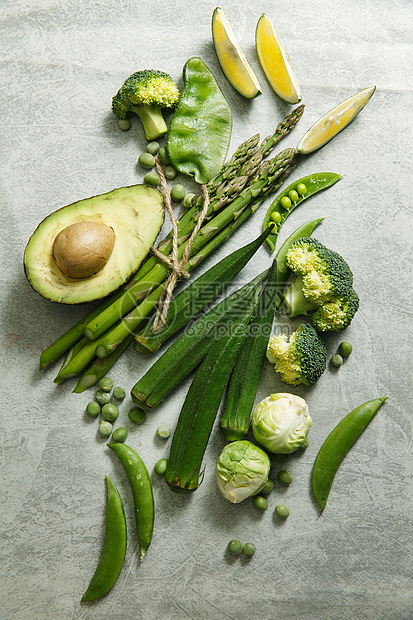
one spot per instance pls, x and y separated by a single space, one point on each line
146 93
300 359
322 286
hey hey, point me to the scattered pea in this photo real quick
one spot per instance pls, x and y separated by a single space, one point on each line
102 397
120 434
302 189
337 360
235 547
105 428
136 415
345 349
187 201
106 384
170 172
119 393
163 432
152 178
282 511
124 124
160 467
146 160
268 487
248 550
285 202
259 502
152 147
93 409
163 156
284 477
293 195
110 412
276 217
178 193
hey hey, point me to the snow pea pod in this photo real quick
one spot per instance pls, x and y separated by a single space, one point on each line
337 445
286 201
114 547
142 493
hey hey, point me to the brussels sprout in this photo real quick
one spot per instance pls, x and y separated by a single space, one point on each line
281 423
242 470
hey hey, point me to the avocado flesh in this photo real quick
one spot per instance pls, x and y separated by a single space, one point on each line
136 215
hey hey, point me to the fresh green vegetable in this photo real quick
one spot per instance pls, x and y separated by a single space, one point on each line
141 487
336 446
337 360
345 349
160 467
136 415
114 547
259 502
93 409
152 178
170 173
284 477
245 377
102 397
268 487
301 358
293 196
242 470
119 393
235 547
186 353
187 201
146 160
198 295
178 192
248 550
202 402
110 412
146 93
152 147
119 434
105 428
163 431
105 384
163 156
323 285
281 422
201 125
282 511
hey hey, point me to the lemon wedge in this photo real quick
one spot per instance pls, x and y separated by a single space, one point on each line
231 57
274 62
334 121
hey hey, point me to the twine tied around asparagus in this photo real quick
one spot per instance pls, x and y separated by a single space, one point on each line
177 266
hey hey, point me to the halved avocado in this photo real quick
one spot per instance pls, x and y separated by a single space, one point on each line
123 225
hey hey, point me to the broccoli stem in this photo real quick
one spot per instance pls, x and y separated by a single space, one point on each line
295 302
152 120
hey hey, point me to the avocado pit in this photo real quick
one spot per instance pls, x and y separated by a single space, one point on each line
82 249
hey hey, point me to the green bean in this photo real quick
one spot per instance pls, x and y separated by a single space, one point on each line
291 197
142 493
114 547
336 446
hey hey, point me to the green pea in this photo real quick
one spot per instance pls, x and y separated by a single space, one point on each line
152 147
248 550
136 415
272 225
106 384
337 360
93 409
284 477
293 195
102 397
259 502
120 434
110 412
124 124
276 217
178 193
163 432
234 547
146 160
119 393
285 202
302 189
160 467
187 201
345 349
170 172
163 156
282 511
268 487
152 178
105 428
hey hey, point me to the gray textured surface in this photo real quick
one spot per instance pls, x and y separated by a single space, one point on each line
60 64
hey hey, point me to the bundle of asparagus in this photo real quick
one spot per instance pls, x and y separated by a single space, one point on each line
237 191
